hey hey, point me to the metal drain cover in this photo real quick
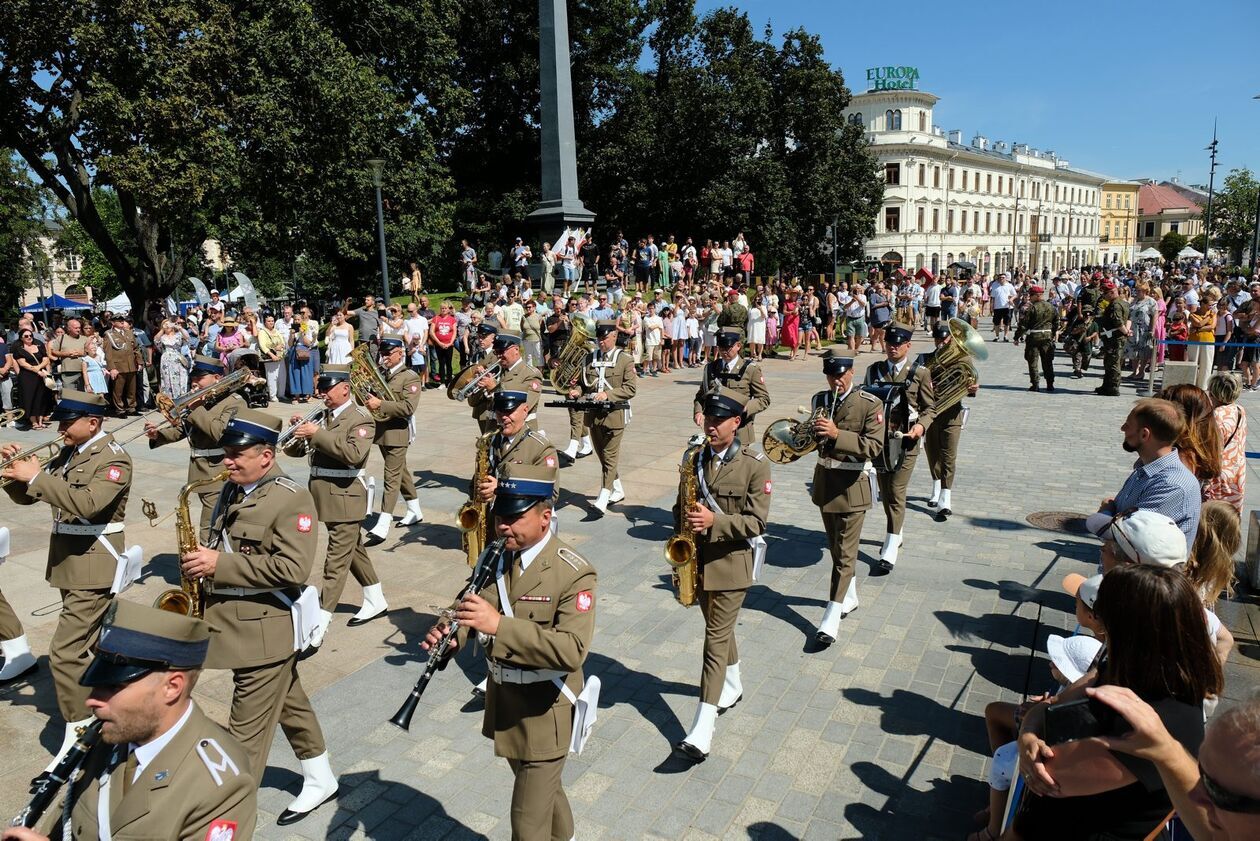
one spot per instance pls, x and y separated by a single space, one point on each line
1071 522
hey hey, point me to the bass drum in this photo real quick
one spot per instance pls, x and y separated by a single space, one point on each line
896 413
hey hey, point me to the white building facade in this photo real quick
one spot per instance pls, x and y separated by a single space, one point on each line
989 203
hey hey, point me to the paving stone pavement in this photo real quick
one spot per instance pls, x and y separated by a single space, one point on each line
881 736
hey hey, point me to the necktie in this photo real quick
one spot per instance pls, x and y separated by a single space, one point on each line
129 771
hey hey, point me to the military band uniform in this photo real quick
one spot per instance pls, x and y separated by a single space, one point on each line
613 374
15 648
527 447
549 629
86 486
921 397
481 401
394 433
740 375
10 625
1040 322
339 451
122 354
268 550
1110 325
940 442
841 488
523 377
202 428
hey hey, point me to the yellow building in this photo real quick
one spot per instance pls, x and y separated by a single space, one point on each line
1117 236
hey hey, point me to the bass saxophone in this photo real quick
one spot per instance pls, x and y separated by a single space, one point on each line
474 516
680 549
190 597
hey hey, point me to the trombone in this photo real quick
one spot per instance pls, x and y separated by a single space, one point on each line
11 417
53 447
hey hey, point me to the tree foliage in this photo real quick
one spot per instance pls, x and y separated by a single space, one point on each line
21 211
1234 213
1170 244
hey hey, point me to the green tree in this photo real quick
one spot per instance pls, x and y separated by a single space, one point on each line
1234 213
94 270
1170 244
21 211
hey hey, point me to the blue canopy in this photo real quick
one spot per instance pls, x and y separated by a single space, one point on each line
55 302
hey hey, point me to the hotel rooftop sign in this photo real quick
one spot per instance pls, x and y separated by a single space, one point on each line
892 78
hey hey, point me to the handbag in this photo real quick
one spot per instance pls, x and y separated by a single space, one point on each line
51 383
301 354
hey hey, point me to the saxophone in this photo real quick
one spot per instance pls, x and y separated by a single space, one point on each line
680 549
190 598
474 517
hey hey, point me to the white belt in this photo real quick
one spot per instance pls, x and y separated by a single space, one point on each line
839 464
334 473
244 591
89 529
510 674
211 453
1047 330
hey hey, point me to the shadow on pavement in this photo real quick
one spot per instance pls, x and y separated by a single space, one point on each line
1004 629
781 607
418 815
432 479
906 713
941 812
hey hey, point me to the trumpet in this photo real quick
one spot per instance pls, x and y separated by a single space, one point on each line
468 383
53 447
299 448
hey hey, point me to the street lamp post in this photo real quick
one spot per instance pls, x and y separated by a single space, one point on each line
1255 235
1207 219
378 166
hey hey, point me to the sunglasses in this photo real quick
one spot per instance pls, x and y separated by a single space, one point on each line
1226 800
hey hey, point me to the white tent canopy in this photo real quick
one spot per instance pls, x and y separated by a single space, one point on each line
119 304
1189 252
1149 254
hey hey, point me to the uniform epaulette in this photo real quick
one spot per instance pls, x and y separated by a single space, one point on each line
363 411
217 764
116 447
870 397
572 558
287 483
538 436
758 456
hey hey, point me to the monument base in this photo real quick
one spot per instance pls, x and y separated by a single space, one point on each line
552 217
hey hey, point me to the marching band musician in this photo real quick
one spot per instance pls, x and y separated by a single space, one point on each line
941 442
729 520
515 444
267 528
608 375
741 375
87 485
393 436
535 624
202 428
339 448
515 374
479 400
849 436
180 774
896 368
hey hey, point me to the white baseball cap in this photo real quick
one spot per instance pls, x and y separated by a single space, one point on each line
1086 589
1073 655
1143 537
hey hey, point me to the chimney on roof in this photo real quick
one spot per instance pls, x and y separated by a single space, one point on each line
955 136
980 142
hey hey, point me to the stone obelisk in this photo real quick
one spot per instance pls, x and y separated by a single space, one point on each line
559 206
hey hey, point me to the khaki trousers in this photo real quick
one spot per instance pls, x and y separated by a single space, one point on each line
345 554
10 625
844 536
396 476
577 425
941 445
265 695
607 444
70 651
892 491
540 809
208 501
122 390
721 610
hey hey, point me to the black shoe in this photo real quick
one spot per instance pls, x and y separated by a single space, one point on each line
29 669
1077 375
1050 386
288 817
883 567
354 623
478 692
722 710
943 515
1034 387
691 751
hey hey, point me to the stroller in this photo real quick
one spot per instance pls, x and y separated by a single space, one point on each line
254 393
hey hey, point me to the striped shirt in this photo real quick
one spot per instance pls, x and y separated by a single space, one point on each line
1166 486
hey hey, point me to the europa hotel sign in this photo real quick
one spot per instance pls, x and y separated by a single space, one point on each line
892 78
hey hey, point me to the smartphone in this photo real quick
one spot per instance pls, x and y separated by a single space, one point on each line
1073 720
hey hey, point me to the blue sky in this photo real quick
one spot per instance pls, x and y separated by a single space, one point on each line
1128 89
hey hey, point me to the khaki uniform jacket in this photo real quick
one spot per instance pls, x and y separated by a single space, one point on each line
121 351
273 537
747 379
553 603
203 428
528 447
740 486
860 438
395 430
523 377
920 393
482 402
197 788
94 485
343 443
622 384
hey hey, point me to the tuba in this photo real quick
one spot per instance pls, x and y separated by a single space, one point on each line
569 363
787 439
680 549
951 368
474 516
190 598
367 379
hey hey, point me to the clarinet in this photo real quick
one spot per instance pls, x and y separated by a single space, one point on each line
481 574
45 792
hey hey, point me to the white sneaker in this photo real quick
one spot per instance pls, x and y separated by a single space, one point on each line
414 514
587 446
830 624
18 659
601 501
618 493
936 493
696 744
374 605
319 785
732 689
